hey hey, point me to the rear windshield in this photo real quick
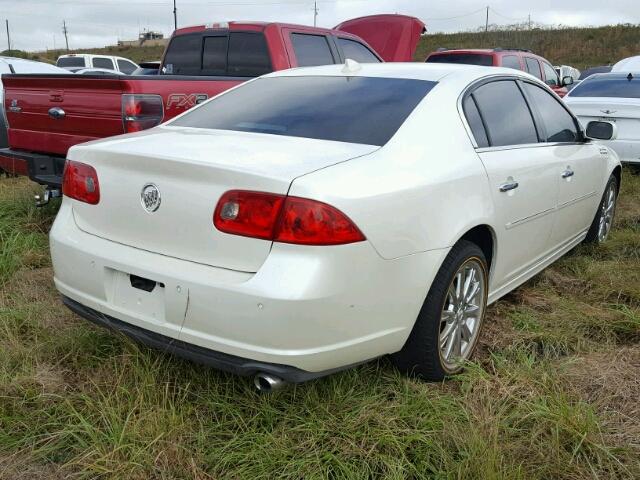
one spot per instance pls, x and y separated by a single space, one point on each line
344 109
70 62
620 86
462 58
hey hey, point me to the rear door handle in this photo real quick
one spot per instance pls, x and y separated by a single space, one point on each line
505 187
568 173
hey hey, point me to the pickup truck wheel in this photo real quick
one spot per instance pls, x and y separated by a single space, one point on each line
446 332
603 221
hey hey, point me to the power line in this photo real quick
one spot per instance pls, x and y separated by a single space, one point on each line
455 17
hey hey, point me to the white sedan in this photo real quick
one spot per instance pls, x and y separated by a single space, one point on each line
612 97
317 218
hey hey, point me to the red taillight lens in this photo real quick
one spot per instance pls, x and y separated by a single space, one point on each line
250 214
140 112
80 182
283 219
308 222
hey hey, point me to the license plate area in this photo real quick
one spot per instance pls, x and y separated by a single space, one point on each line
137 296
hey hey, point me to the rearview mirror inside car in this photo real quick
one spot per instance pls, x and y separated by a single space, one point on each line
568 80
602 130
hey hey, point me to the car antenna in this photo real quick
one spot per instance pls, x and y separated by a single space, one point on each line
630 77
351 66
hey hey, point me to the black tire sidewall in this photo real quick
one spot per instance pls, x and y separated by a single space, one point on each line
420 355
592 234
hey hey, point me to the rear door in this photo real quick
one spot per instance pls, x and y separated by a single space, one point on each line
522 176
579 165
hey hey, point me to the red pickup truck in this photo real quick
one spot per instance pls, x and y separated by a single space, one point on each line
48 114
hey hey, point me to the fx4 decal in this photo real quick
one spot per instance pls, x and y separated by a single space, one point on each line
185 100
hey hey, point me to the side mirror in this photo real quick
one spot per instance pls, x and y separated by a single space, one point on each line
602 130
568 80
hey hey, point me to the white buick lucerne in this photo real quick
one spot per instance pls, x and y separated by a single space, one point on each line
317 218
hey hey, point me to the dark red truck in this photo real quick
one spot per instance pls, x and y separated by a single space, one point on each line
48 114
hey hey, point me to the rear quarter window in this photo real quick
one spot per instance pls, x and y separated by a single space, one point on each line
324 108
311 50
511 61
356 51
103 63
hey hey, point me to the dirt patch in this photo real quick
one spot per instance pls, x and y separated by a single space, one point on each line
17 467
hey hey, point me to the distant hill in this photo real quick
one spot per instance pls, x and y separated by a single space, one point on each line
579 47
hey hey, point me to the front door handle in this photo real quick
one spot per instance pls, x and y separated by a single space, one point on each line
505 187
568 173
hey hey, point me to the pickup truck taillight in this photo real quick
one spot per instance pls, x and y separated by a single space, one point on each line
80 182
141 112
284 219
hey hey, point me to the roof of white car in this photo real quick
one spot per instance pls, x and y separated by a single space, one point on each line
411 70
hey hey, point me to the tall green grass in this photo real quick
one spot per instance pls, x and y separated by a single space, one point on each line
550 394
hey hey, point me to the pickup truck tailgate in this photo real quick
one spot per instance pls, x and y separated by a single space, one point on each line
51 113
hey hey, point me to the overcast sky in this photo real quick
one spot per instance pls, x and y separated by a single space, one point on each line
37 24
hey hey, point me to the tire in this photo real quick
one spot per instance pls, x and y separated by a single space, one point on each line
603 221
422 355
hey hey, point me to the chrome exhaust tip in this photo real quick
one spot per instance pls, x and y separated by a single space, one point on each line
267 383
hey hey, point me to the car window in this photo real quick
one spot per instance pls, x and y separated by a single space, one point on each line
462 58
125 66
100 62
608 85
356 51
511 61
183 55
70 62
214 55
550 75
248 55
311 50
533 67
505 113
559 124
325 108
475 121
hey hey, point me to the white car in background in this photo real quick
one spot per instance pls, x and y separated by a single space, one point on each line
19 65
612 97
77 61
317 218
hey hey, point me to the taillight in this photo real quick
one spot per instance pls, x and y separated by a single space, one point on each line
141 112
283 219
80 182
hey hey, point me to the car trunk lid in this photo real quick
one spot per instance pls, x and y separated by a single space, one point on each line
191 169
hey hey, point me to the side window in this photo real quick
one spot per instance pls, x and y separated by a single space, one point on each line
550 75
475 121
311 50
533 67
248 55
126 67
101 62
559 124
214 55
505 113
356 51
183 55
511 61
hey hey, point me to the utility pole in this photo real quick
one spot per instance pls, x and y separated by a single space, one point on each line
529 21
175 16
486 25
65 31
8 37
315 13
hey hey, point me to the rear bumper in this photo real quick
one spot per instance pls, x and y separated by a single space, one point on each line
316 309
42 169
221 361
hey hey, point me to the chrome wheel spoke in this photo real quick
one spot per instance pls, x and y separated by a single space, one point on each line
466 333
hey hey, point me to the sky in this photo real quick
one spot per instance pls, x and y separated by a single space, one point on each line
37 24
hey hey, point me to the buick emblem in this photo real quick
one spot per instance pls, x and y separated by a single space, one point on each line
150 197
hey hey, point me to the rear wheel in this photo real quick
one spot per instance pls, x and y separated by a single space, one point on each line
603 221
446 332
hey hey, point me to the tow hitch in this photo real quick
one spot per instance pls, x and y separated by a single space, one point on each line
49 193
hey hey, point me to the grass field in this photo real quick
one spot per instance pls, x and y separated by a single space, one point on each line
553 395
